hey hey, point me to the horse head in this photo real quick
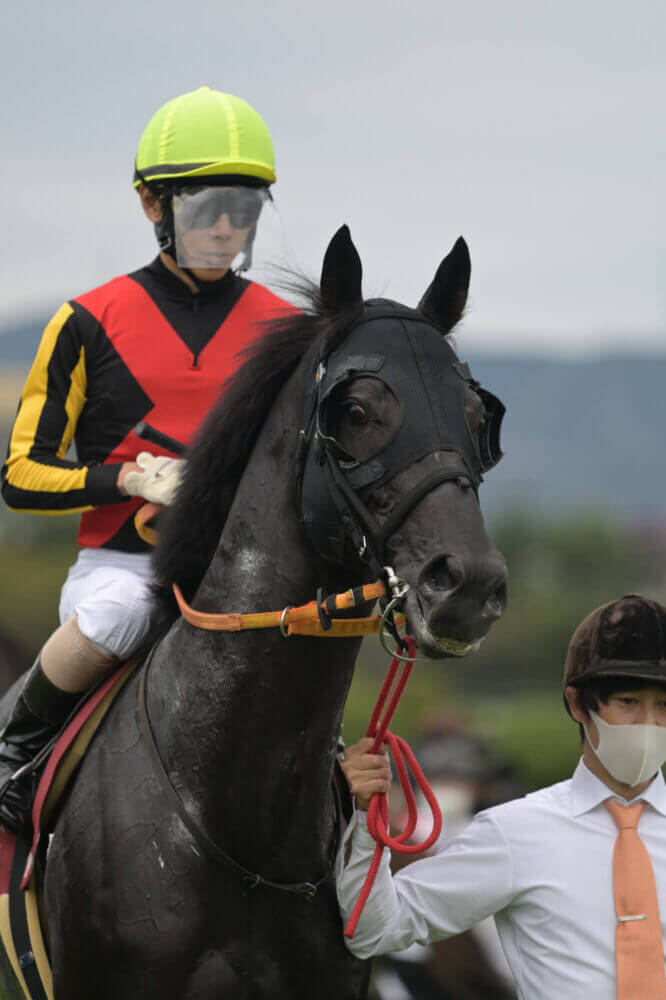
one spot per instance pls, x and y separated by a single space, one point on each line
396 435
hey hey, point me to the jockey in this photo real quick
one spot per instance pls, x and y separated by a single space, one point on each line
155 344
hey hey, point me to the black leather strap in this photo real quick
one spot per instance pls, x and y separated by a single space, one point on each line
426 485
210 848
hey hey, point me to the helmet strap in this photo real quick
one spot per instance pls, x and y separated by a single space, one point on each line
165 228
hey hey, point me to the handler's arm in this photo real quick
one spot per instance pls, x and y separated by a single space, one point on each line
430 899
36 477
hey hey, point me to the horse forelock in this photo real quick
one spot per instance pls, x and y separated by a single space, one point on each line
191 528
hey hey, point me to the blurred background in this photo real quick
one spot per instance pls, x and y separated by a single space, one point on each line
533 130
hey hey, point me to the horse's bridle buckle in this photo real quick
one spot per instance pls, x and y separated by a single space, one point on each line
399 590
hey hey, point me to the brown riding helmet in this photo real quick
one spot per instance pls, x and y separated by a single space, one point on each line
626 638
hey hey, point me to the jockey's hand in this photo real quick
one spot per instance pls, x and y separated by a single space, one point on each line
153 477
366 773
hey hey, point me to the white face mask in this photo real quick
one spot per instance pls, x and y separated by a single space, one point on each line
631 754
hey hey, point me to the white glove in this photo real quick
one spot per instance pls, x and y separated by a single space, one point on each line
158 480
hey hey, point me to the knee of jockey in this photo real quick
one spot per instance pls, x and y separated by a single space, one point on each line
108 624
71 661
86 648
116 619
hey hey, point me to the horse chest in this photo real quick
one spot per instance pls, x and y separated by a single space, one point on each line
244 946
146 916
253 965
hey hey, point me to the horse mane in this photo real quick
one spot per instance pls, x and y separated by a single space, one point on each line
190 529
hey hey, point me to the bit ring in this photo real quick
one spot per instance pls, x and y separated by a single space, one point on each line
283 627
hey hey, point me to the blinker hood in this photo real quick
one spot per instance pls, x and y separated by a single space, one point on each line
412 357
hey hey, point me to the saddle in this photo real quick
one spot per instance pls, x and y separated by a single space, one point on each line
25 971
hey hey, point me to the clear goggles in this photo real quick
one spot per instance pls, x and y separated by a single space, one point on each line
202 207
215 227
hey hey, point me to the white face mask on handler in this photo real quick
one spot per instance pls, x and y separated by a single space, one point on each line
630 753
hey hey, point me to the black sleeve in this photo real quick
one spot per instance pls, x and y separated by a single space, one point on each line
36 476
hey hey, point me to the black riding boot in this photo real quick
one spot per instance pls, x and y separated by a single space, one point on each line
40 711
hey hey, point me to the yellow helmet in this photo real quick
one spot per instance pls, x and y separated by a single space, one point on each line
205 135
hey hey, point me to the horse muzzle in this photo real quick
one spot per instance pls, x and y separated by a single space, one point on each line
452 606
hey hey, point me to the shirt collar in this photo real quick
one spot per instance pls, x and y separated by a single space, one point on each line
178 289
588 791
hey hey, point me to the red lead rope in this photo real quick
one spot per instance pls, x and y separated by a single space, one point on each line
378 809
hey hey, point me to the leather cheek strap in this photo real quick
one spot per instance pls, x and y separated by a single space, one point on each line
404 508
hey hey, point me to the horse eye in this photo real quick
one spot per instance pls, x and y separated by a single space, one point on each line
356 413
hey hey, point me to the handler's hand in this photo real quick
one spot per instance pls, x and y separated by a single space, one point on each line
366 773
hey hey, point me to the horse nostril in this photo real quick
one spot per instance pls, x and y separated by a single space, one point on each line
496 603
443 574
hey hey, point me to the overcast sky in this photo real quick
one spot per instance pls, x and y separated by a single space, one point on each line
534 128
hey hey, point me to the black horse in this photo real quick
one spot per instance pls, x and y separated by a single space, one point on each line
247 723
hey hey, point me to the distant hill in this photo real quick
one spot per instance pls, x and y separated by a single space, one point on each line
576 432
580 432
19 343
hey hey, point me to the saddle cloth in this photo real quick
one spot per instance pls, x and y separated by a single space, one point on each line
25 971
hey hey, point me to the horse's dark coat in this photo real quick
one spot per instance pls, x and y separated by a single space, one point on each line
247 725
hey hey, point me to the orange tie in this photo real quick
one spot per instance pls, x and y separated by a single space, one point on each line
639 949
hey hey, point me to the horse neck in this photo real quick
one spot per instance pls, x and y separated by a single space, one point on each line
248 722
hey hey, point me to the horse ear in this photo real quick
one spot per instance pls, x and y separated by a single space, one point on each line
445 298
341 272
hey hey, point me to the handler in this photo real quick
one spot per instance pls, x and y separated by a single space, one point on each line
574 874
155 344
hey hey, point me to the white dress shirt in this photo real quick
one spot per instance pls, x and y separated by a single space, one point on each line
543 865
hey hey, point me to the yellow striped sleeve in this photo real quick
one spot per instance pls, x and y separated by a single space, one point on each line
48 475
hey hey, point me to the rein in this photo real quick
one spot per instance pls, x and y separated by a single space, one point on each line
314 618
378 808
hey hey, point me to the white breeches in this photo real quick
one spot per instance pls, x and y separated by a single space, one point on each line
110 594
